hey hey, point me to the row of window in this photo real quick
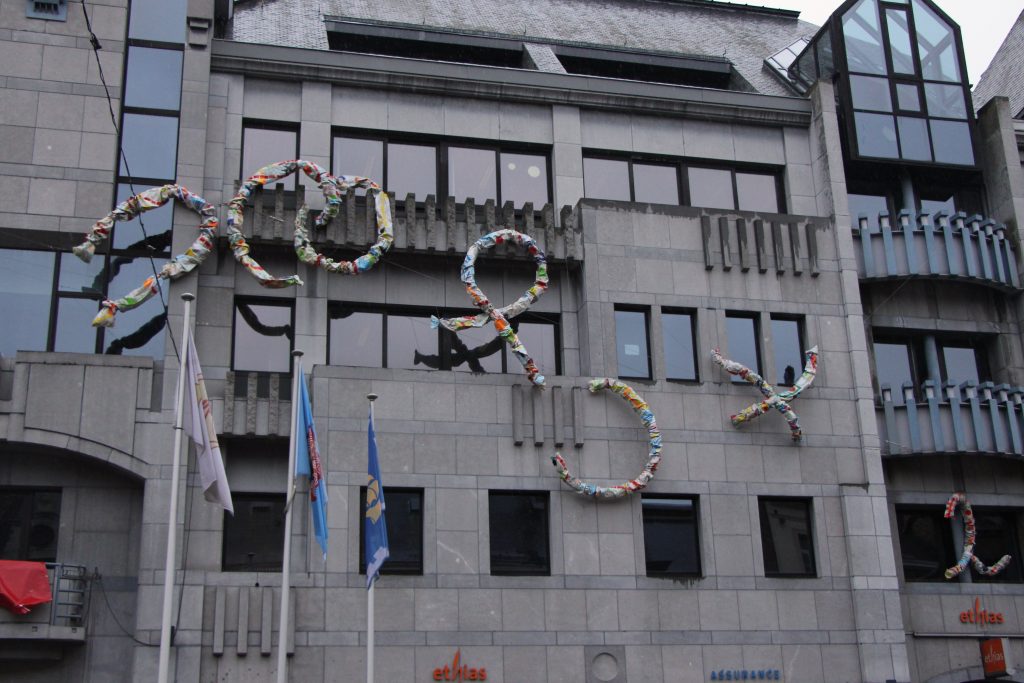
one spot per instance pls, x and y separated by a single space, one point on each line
679 335
902 356
519 174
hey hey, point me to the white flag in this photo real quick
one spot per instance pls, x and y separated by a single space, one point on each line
199 426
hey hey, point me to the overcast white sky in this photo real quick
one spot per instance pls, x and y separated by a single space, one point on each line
983 23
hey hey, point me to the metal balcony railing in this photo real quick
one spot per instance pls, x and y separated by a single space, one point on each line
964 418
960 248
70 587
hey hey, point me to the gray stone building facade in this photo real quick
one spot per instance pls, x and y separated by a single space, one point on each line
700 174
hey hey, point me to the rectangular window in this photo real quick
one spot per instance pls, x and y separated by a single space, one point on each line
29 524
153 80
263 336
267 143
743 333
445 168
788 344
963 360
900 357
631 337
254 535
26 290
404 519
606 179
926 543
149 146
671 535
711 188
998 534
787 537
378 337
519 533
680 334
757 192
656 183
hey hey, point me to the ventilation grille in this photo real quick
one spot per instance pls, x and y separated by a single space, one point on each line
54 10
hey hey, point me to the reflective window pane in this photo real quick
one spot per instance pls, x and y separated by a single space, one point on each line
892 367
606 179
356 156
951 142
142 331
876 135
518 523
863 38
471 173
524 178
263 146
757 192
960 364
154 78
997 536
150 145
357 339
870 93
404 522
476 349
742 334
926 543
789 356
936 45
678 332
908 97
631 342
656 184
26 284
158 20
151 229
787 537
710 188
671 541
899 41
867 205
541 340
914 143
945 100
412 168
75 332
410 340
262 337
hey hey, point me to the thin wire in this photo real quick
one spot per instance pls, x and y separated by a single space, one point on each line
98 580
190 496
96 47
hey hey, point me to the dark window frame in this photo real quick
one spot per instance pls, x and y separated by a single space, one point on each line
26 519
758 336
765 527
915 341
682 166
264 301
240 497
444 344
267 124
695 500
1013 515
391 566
694 338
646 310
801 332
522 571
441 145
951 554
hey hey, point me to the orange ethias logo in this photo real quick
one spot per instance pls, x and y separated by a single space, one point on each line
980 616
457 671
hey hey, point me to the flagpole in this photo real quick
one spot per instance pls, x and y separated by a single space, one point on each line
172 515
282 621
369 594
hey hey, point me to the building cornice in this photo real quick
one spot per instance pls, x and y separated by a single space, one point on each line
504 84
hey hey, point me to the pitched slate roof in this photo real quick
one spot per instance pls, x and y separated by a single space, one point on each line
1005 74
744 34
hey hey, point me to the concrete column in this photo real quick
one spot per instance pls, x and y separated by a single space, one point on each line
931 359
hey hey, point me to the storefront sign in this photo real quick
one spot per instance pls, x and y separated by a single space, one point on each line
980 616
457 671
993 658
746 675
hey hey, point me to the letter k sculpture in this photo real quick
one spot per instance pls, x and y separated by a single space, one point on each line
772 399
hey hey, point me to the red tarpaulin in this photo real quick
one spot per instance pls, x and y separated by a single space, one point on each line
23 585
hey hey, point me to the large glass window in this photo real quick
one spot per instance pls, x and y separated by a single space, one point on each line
29 524
254 535
711 187
404 520
471 173
671 535
634 358
679 332
263 336
524 178
409 337
149 146
787 537
268 143
926 543
787 343
893 366
863 37
656 183
519 533
869 206
161 20
743 334
757 192
26 288
998 534
153 80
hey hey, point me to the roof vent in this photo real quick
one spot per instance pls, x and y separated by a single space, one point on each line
54 10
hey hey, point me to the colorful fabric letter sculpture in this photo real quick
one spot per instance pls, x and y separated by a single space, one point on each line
970 538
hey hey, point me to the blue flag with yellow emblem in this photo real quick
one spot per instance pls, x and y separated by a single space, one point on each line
376 532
